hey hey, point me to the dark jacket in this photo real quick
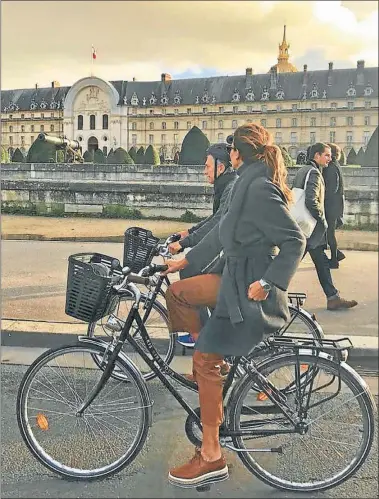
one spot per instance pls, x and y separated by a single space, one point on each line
314 201
222 188
258 219
334 191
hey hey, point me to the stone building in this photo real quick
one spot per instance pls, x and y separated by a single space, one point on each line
297 107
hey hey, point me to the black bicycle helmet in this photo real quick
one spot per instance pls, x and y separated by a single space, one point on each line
220 152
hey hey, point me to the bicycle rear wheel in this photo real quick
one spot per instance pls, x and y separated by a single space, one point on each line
339 430
156 325
106 437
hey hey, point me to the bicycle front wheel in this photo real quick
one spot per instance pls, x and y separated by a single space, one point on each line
156 324
339 424
106 437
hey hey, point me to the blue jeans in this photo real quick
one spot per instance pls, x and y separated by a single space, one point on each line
321 262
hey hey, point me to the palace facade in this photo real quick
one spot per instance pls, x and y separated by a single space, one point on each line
297 107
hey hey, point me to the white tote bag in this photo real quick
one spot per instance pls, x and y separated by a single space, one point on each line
300 212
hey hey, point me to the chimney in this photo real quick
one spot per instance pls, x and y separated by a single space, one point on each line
330 78
134 78
305 75
165 77
360 73
249 71
305 68
55 84
36 86
273 78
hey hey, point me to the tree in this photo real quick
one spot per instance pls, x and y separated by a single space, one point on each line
60 156
99 157
18 157
301 158
286 157
140 160
41 152
360 156
343 158
4 155
194 147
351 157
152 156
121 157
133 154
88 157
371 154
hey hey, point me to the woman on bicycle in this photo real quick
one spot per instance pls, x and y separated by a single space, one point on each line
249 297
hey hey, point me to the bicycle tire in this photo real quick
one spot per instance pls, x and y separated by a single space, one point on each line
166 352
32 434
355 384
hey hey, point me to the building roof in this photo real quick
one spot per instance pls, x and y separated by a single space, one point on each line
273 86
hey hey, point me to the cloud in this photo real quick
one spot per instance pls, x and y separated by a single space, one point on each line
45 41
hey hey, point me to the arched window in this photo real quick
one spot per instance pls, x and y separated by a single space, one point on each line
42 128
278 123
220 124
163 125
80 122
105 122
176 125
151 125
92 122
11 129
51 128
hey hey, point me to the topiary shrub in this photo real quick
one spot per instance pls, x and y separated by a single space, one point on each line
351 157
288 161
60 156
152 156
360 156
41 152
371 154
140 160
194 147
133 153
343 158
120 157
99 157
4 155
88 156
18 157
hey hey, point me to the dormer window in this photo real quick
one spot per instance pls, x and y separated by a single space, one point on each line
368 90
250 96
134 100
265 94
351 92
280 95
236 96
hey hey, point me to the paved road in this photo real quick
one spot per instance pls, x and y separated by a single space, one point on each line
24 477
34 277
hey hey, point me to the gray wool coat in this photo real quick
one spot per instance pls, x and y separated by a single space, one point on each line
257 220
314 201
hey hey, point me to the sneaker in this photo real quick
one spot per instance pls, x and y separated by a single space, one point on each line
340 303
186 340
198 472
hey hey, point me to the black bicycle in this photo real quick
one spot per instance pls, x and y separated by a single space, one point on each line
300 420
140 247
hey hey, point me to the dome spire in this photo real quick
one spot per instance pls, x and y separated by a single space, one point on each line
283 65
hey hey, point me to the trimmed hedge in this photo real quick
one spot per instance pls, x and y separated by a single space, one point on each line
194 147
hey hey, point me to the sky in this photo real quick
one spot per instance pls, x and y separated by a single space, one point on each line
42 41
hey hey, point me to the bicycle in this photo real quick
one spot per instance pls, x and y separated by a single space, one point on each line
140 247
95 445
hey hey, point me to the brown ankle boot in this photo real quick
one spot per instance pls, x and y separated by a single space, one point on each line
338 303
199 472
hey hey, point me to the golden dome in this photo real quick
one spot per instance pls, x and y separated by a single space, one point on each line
283 65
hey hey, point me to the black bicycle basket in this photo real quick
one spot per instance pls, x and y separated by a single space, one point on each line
89 285
139 248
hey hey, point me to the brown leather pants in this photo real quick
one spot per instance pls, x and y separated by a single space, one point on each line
184 299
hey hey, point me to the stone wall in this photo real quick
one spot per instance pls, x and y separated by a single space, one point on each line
167 191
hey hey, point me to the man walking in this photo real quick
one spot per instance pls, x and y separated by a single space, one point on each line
320 155
334 204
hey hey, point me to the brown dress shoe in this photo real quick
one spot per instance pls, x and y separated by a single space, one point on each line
340 303
198 472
